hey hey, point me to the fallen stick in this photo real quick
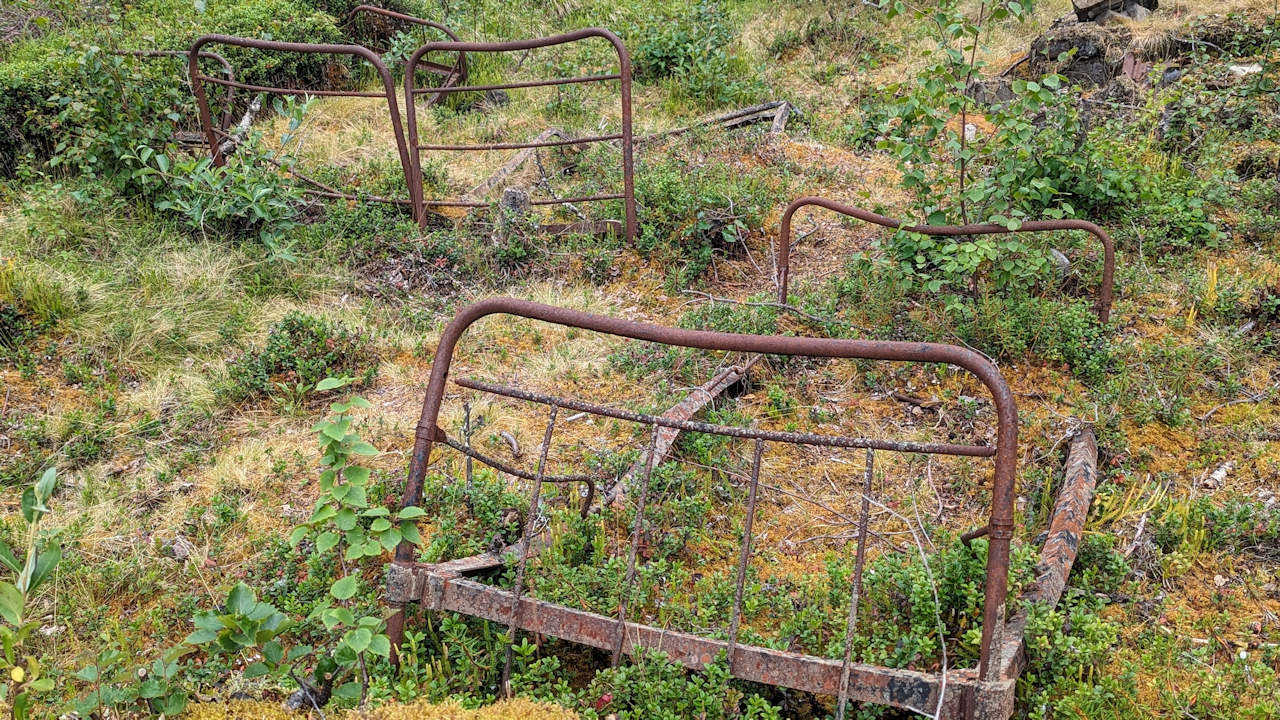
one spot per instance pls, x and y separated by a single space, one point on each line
775 112
516 161
238 132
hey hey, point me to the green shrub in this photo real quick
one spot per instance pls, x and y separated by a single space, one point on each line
649 688
116 105
28 120
691 210
690 46
1014 328
300 351
282 20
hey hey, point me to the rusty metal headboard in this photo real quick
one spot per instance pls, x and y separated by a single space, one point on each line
216 134
442 587
623 77
1105 288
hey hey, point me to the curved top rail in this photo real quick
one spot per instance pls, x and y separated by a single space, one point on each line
1106 287
459 71
1002 494
525 44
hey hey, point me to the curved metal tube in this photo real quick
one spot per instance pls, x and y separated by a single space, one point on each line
1002 493
623 77
1105 289
457 74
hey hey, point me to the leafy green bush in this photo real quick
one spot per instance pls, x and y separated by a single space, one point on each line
28 126
691 47
300 350
692 210
650 688
1013 328
116 105
283 20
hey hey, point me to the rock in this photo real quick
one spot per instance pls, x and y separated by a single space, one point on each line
1061 262
1086 53
179 548
1138 12
1243 70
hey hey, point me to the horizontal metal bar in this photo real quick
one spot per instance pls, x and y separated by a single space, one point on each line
523 84
510 470
868 683
359 198
291 91
560 201
521 146
729 430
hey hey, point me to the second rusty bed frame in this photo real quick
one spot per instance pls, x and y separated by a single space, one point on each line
983 692
1106 286
623 137
451 79
216 133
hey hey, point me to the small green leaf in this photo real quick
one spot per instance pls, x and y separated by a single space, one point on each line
380 645
344 588
332 383
326 541
44 487
241 599
11 603
413 511
358 639
349 691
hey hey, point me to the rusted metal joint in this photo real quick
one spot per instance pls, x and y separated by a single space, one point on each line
974 534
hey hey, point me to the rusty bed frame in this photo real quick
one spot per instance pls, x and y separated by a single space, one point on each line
405 129
1106 286
984 692
215 134
412 93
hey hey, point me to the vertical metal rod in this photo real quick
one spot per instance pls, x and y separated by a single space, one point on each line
525 538
736 621
466 435
630 579
858 563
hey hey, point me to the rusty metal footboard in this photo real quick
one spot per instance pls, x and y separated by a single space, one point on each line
1105 287
412 93
216 134
984 692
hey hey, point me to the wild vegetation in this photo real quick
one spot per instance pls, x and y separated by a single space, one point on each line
211 378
